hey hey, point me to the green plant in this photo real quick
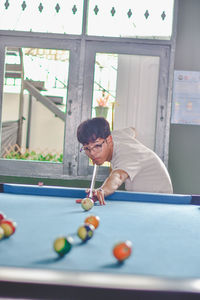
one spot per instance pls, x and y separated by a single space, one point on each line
32 155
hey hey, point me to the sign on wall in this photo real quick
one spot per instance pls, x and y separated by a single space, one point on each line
186 98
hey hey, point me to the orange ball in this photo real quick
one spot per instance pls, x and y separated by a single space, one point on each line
94 220
122 250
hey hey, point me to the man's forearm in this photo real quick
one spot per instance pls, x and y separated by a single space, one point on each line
114 181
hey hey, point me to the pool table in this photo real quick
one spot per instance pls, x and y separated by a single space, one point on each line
164 231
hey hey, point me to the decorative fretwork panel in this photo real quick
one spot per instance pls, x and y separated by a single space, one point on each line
54 16
131 18
122 18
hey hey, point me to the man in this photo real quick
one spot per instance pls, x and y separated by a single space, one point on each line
131 162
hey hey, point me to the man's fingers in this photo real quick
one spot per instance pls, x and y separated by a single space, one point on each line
100 196
97 195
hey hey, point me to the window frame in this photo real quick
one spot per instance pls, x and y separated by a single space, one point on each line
163 105
83 49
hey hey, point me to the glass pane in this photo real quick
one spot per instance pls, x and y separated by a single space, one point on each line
131 18
34 104
55 16
125 93
104 91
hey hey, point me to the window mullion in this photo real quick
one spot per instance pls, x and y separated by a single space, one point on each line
85 16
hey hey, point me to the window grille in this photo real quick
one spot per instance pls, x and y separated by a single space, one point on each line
53 16
131 18
122 18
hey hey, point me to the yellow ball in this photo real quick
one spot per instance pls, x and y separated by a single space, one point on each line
8 226
87 203
85 232
1 233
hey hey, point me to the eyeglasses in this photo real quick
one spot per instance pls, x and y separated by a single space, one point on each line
97 148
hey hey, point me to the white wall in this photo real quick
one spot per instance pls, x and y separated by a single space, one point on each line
10 108
184 147
47 131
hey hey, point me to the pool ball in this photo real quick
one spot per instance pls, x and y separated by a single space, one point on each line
87 203
63 245
1 233
94 220
122 250
78 200
8 226
85 232
2 216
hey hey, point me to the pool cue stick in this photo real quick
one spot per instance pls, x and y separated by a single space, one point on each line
93 181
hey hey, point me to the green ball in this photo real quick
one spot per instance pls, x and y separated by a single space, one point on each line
85 232
63 245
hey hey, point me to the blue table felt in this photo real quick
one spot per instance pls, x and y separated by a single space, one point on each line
163 229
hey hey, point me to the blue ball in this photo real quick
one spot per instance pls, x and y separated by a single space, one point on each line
85 232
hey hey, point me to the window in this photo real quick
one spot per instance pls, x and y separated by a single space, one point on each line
127 18
75 53
34 99
131 18
53 16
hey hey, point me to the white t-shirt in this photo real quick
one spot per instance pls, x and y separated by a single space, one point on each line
147 172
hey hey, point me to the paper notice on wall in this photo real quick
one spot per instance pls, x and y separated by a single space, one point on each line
186 98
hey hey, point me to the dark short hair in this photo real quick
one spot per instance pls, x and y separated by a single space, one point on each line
92 129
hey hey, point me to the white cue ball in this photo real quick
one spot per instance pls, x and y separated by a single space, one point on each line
87 203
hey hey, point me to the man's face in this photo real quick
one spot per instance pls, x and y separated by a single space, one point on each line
100 150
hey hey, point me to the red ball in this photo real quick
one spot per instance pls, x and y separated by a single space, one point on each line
122 250
8 226
2 216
